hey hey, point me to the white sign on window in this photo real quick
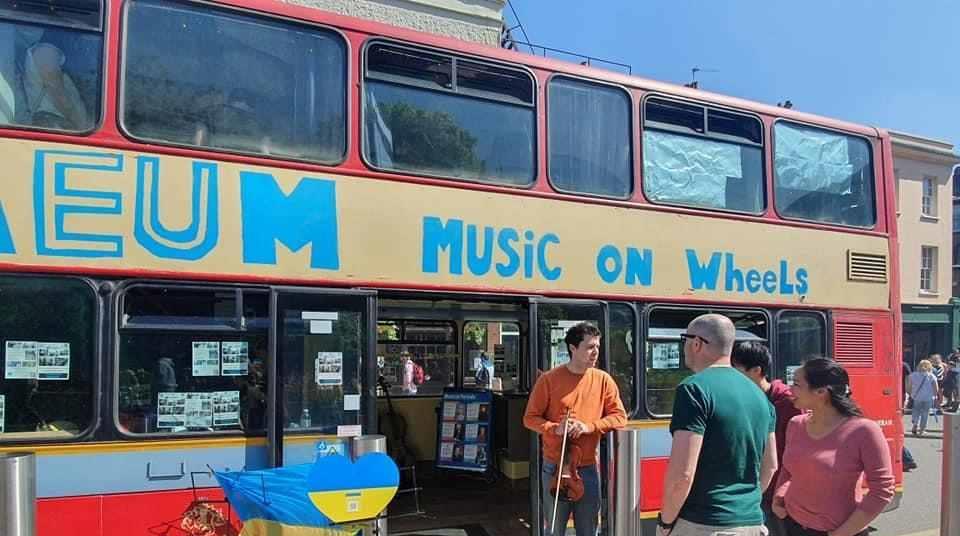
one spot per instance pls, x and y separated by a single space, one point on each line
328 368
235 356
21 360
54 360
206 358
665 355
226 408
199 409
171 410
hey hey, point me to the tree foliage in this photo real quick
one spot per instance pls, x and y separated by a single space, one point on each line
426 139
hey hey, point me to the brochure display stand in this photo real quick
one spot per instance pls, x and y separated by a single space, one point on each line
464 431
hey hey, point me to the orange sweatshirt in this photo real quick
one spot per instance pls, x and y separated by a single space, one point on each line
592 398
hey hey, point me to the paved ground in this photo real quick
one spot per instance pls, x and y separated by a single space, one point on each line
919 512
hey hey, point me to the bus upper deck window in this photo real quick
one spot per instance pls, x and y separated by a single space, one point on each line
823 176
698 156
430 113
51 56
199 76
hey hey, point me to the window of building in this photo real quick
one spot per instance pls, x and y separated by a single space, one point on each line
928 269
192 360
434 114
51 64
665 365
800 336
197 76
701 157
589 138
928 201
48 360
823 176
404 345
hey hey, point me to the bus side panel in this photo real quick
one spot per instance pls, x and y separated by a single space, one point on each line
169 512
70 516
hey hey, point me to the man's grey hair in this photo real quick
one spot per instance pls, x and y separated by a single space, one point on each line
717 329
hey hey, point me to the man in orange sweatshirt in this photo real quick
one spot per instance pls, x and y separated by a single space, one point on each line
593 400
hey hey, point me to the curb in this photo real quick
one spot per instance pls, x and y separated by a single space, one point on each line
931 532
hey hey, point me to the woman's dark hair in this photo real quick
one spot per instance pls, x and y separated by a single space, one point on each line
822 372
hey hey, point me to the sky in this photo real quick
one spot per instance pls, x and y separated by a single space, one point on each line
885 63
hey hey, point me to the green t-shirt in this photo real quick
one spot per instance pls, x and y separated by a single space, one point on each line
735 418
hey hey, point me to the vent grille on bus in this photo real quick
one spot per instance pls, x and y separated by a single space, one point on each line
866 267
853 344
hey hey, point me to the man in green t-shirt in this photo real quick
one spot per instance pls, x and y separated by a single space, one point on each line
724 451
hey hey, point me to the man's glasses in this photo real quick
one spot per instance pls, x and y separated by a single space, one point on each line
685 336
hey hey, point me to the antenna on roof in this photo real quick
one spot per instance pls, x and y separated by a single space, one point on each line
693 76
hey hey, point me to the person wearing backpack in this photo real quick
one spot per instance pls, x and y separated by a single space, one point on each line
413 374
484 375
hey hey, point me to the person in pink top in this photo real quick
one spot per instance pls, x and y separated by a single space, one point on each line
829 449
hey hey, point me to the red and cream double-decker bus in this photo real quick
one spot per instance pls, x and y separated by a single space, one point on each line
221 222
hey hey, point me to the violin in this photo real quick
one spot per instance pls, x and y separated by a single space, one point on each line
566 484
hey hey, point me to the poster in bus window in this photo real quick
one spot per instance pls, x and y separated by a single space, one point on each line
226 409
235 358
171 410
21 360
206 358
53 360
3 412
464 441
199 410
665 355
328 368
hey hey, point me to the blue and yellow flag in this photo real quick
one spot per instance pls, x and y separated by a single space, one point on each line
311 499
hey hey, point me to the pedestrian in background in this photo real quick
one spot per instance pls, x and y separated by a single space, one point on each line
829 449
924 391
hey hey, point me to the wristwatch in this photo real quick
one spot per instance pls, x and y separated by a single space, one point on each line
663 524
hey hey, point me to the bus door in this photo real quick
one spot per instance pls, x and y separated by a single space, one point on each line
322 380
549 321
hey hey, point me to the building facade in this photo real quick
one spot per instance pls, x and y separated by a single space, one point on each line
480 21
925 215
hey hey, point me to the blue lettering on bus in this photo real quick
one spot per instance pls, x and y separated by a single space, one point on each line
307 216
609 272
441 236
205 177
6 239
74 201
703 275
737 278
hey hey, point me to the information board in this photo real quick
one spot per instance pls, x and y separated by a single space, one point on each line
463 436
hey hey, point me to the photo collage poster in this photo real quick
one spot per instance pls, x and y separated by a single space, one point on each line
464 433
34 360
198 411
215 358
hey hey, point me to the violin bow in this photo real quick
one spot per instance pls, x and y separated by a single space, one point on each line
563 449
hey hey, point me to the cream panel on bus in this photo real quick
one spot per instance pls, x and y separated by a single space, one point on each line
86 208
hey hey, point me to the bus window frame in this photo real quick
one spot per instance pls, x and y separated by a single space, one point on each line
99 346
104 31
270 18
635 410
774 347
117 329
651 307
632 128
765 148
362 114
876 184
